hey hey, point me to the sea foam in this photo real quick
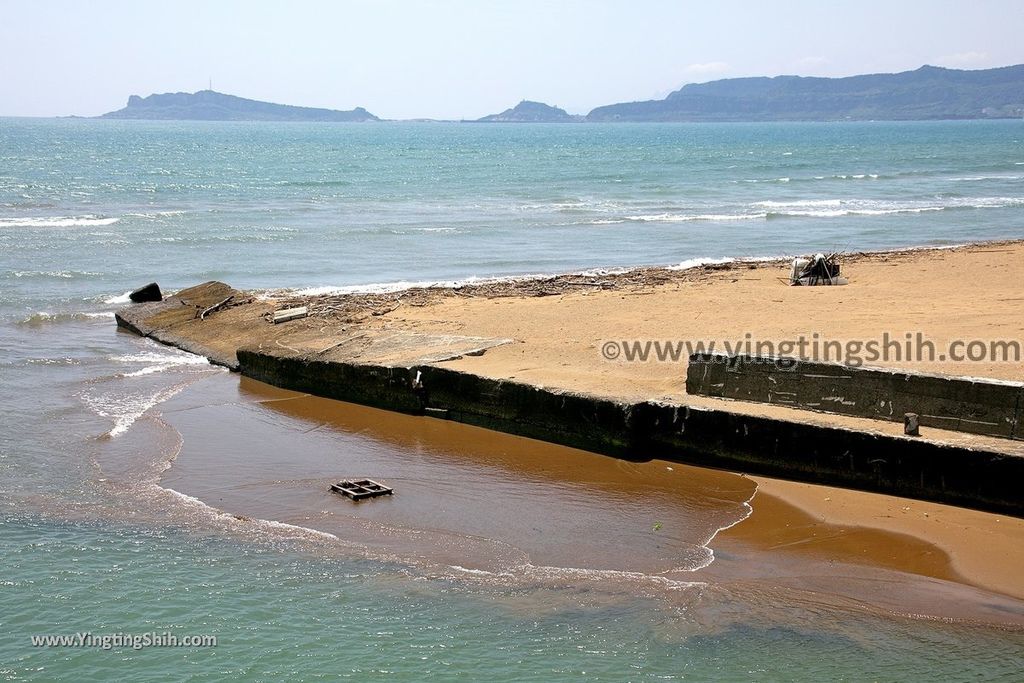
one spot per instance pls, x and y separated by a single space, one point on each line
56 222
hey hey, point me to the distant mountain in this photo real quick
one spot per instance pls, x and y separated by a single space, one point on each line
927 93
531 112
207 105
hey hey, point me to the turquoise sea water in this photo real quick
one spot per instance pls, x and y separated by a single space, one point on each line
89 541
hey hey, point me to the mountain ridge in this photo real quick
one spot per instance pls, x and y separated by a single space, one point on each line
929 92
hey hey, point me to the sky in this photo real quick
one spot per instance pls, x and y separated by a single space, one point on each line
458 59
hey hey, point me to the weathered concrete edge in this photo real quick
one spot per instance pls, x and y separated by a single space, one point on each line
927 470
973 405
171 339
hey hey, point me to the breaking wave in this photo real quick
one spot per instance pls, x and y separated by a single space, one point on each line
56 222
816 208
44 317
159 361
125 407
118 298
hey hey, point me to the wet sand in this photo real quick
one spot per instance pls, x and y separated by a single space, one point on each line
515 509
986 550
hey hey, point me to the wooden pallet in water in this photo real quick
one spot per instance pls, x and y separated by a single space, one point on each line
357 489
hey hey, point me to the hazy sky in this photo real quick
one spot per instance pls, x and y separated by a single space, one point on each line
455 59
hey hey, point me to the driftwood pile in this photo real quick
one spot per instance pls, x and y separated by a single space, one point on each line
355 307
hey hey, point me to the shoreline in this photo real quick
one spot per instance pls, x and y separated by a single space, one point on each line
696 263
376 295
541 335
470 346
897 570
983 548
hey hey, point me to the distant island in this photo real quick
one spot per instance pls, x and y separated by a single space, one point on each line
207 105
927 93
531 112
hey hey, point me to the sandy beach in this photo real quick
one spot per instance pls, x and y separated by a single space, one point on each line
551 332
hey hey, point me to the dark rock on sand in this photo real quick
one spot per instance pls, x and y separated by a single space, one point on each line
150 292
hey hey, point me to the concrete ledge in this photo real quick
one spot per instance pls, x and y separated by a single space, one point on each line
641 431
158 319
976 406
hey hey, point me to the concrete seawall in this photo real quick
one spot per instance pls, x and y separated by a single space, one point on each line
645 430
977 406
377 367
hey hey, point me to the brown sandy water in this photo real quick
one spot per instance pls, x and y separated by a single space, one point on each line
481 505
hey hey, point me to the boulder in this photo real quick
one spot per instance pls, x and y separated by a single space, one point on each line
150 292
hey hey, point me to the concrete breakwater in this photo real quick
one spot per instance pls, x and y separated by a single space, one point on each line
977 406
645 430
981 477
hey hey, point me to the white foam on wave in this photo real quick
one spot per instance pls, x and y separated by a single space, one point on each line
56 222
162 360
59 274
801 202
118 298
552 574
836 208
372 288
748 510
548 573
40 317
397 286
155 214
124 408
838 213
125 403
171 356
697 262
152 369
683 217
292 530
705 555
478 572
599 272
571 206
987 177
303 531
837 176
401 285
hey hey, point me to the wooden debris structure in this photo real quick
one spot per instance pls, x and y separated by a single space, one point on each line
214 308
357 307
286 314
816 270
357 489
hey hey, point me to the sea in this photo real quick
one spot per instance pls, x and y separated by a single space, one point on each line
144 491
